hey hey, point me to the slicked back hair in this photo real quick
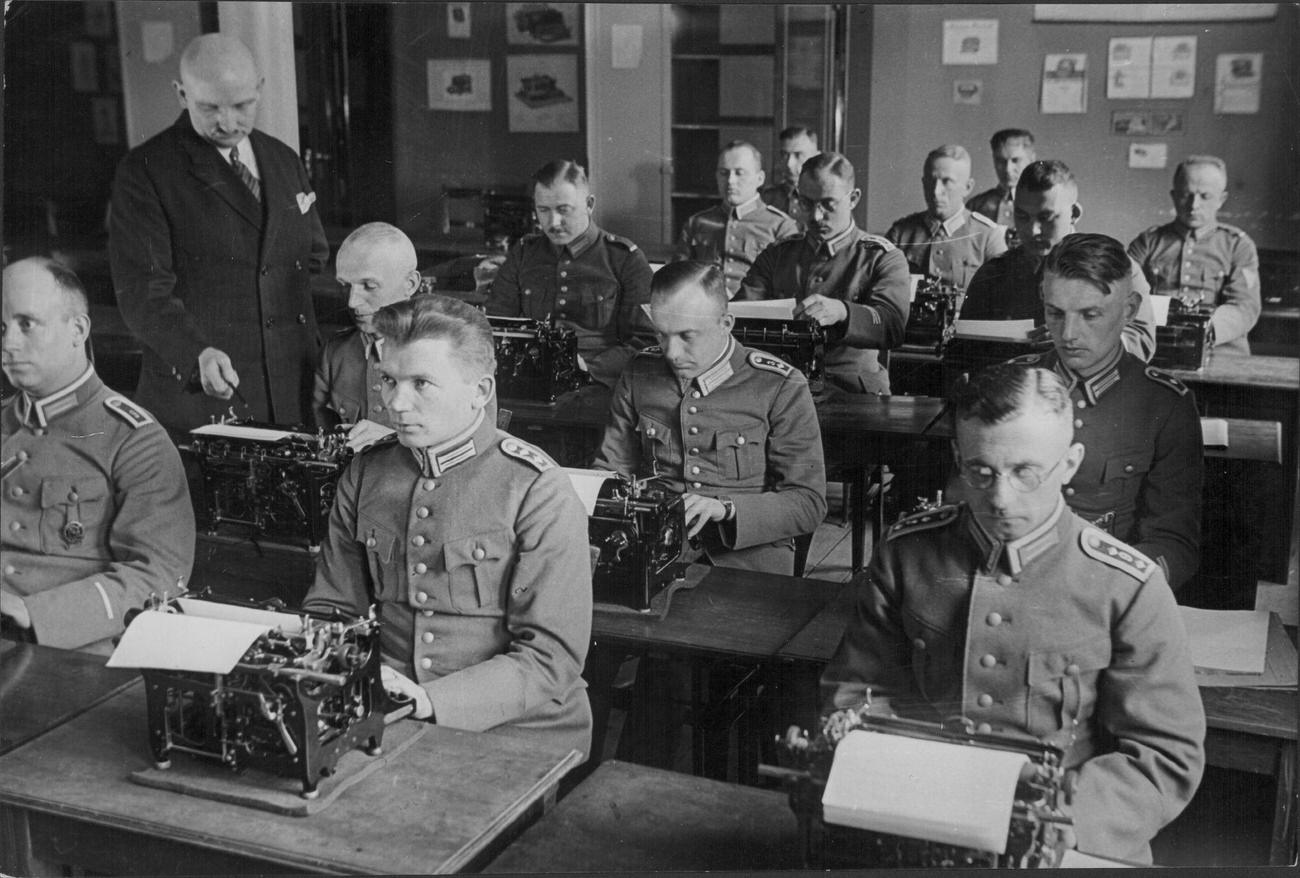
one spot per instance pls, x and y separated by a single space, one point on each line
677 276
434 317
832 163
947 151
1006 135
561 171
1045 174
1098 259
744 144
1192 161
1001 392
798 131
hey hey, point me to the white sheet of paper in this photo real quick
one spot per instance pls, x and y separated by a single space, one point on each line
1073 859
1010 330
180 642
1231 641
950 793
286 622
1173 67
1237 80
970 41
237 431
914 280
772 309
588 482
1128 68
1148 155
156 38
1160 305
1214 432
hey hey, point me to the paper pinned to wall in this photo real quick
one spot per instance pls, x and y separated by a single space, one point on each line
1237 80
1128 68
1065 83
970 41
772 309
1173 67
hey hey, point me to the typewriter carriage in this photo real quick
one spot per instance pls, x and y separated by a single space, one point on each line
536 359
1183 342
800 342
639 530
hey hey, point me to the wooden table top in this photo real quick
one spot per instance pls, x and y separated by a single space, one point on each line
737 613
1246 370
631 818
442 803
42 687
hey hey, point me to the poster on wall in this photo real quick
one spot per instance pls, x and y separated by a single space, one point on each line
463 84
1163 13
1237 79
1173 67
542 24
970 41
1065 83
543 92
1128 68
1150 156
459 23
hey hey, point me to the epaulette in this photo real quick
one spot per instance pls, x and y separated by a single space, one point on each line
1120 555
529 454
879 240
1160 376
769 363
1232 230
652 351
980 218
1028 359
128 411
381 442
776 210
611 238
345 332
926 519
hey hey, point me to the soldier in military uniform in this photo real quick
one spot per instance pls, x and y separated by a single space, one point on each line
97 515
733 233
577 274
946 240
472 543
798 144
1016 615
732 428
1013 150
854 284
1202 260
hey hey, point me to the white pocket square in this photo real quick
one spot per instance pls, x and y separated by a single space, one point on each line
305 201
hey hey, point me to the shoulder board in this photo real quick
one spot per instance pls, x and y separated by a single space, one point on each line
381 442
776 210
1028 359
1161 377
128 411
980 219
529 454
927 519
1232 230
1120 555
652 351
876 240
769 363
345 332
620 240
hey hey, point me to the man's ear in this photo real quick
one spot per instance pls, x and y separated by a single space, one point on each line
483 390
854 197
1073 459
728 320
591 202
413 281
180 94
1076 212
1132 305
81 329
762 177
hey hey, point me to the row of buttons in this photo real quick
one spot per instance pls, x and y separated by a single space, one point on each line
270 321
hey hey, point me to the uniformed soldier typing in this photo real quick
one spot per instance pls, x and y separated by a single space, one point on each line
575 273
473 543
854 284
1202 260
97 514
946 240
733 233
1016 615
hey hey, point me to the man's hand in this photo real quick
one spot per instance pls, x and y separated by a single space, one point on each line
12 605
217 374
486 271
700 510
822 310
403 688
365 433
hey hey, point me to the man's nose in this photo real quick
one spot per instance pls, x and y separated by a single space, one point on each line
1070 327
396 398
1000 494
355 300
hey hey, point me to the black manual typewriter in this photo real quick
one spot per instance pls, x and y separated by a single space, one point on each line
1034 836
536 359
1183 342
267 482
932 319
800 342
639 530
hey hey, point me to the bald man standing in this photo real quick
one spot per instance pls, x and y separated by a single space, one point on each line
213 234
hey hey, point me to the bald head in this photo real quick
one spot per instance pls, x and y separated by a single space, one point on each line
376 265
219 87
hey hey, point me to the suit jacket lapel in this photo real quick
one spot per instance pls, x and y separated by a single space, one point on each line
275 195
207 166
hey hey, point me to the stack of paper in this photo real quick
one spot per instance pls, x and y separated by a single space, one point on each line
1247 648
1001 330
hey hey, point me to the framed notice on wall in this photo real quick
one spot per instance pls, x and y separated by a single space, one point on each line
543 92
460 84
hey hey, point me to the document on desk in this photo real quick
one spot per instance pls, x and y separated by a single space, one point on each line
588 482
770 309
1281 665
1002 330
933 790
1227 641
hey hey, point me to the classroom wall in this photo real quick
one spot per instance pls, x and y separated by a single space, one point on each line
147 76
912 111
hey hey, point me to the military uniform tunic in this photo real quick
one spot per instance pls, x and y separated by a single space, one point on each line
867 273
745 428
1216 265
997 204
783 197
347 386
1025 638
97 515
952 249
1143 468
596 285
476 554
733 237
1008 287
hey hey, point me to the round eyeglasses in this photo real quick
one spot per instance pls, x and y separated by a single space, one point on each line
1023 478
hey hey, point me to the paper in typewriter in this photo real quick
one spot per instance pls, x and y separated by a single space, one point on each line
242 431
588 482
932 790
205 638
771 309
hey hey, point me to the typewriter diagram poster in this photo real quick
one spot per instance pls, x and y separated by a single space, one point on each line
543 92
542 24
1128 68
1065 84
1173 67
1237 80
460 84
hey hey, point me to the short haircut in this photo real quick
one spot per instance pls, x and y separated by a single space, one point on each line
1001 392
1098 259
831 163
677 276
798 131
947 151
67 283
433 317
380 234
1006 135
1191 161
743 144
561 171
1044 174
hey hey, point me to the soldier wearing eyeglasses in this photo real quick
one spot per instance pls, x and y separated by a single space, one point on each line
1015 615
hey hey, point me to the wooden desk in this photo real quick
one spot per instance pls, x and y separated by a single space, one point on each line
42 687
628 817
451 803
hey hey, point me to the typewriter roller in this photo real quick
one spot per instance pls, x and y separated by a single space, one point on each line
536 360
639 531
801 343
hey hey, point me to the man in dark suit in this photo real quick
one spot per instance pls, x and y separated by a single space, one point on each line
212 236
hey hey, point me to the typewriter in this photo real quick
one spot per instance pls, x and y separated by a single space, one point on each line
1034 837
536 359
932 319
267 482
801 343
639 531
1183 342
303 694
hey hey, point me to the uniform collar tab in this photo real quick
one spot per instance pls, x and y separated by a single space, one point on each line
42 411
740 211
1019 552
579 245
436 460
839 242
1094 386
713 377
950 226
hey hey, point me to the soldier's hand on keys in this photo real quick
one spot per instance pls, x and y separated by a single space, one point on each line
365 433
15 608
822 310
700 510
217 374
403 688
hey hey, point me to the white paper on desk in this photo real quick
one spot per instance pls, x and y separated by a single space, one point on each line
1160 307
1010 330
771 309
286 622
588 482
180 642
1214 432
914 280
950 793
1229 641
239 431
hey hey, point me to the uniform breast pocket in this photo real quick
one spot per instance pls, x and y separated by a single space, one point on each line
1062 684
1213 278
742 451
932 652
1123 472
478 568
597 306
380 544
656 440
75 514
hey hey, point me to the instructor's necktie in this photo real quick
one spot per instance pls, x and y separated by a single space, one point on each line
246 175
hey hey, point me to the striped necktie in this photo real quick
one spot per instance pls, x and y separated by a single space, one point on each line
246 175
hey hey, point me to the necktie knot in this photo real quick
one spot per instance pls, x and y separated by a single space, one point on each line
245 174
